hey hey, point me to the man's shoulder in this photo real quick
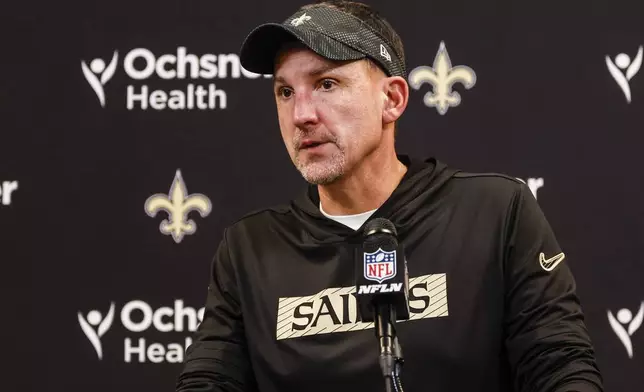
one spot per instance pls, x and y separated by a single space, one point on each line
488 185
496 196
260 217
486 179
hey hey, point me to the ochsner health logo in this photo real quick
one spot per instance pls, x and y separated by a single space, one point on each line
147 72
625 325
139 324
623 70
98 70
95 319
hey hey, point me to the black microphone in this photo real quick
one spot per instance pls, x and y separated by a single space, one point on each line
382 292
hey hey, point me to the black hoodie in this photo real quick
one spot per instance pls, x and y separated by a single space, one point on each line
493 302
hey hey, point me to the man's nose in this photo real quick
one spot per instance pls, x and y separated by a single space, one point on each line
304 111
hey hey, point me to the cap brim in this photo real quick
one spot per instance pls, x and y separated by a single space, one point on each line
259 49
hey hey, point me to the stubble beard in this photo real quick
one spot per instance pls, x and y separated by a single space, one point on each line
321 170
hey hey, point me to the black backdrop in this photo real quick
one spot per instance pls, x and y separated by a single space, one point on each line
550 103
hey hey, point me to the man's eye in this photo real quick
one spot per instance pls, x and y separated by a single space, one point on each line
327 84
285 92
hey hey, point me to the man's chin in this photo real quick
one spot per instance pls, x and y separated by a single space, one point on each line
320 173
321 180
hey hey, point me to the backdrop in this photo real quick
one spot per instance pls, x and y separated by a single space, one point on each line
131 137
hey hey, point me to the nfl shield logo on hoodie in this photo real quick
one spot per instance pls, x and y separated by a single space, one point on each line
380 265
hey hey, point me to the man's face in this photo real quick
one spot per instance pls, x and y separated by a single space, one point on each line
330 113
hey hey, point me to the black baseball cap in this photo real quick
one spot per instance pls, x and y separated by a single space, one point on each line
329 32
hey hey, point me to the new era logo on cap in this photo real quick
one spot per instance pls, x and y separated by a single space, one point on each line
384 53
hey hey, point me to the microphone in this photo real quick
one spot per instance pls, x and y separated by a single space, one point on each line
382 292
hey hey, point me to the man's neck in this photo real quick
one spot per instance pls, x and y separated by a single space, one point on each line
366 188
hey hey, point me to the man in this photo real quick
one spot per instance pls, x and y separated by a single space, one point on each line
493 304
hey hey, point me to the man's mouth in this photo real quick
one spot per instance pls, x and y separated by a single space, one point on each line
310 144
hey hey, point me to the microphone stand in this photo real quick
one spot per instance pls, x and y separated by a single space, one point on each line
391 358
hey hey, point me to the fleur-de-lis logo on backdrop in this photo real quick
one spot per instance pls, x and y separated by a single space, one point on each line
178 204
442 77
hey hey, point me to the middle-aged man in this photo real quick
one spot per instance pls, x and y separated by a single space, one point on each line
493 304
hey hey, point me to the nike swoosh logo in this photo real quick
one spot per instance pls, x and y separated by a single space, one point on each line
551 263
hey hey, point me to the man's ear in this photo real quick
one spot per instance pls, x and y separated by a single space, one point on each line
395 95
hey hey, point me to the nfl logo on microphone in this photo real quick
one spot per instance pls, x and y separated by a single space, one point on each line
380 265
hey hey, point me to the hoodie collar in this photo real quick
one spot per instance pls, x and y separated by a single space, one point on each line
420 177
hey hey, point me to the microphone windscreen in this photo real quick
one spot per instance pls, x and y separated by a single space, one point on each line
377 225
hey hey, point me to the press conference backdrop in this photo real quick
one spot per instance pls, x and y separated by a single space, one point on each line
133 136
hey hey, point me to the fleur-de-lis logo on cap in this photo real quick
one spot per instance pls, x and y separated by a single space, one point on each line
298 21
178 204
442 76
